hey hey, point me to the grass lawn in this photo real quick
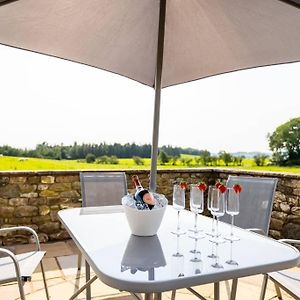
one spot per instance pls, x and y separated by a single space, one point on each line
8 163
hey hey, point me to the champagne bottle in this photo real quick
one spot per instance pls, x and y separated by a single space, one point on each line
143 198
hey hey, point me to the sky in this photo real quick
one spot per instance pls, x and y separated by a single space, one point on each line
45 99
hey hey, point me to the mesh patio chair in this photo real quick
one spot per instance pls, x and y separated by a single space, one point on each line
21 267
256 202
100 189
287 280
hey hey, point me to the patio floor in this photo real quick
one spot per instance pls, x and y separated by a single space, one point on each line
63 279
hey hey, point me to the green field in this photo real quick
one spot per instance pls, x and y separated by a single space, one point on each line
8 163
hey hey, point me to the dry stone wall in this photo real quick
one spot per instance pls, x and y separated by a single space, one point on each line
34 199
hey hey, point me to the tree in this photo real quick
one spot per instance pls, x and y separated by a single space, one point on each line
163 157
90 158
285 143
226 157
205 157
260 159
138 160
174 159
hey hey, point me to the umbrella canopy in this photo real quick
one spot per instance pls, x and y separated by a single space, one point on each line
157 42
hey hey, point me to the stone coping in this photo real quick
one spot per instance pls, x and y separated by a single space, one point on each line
131 171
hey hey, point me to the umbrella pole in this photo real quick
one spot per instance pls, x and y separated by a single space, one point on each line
159 63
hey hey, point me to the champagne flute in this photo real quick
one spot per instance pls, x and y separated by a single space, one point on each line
179 204
232 209
197 206
209 198
217 209
212 233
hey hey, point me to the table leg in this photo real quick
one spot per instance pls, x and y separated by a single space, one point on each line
149 296
217 291
87 278
233 289
157 296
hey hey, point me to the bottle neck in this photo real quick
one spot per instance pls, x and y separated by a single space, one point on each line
136 182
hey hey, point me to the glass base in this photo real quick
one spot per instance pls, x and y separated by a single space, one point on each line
232 238
195 230
217 240
210 233
212 255
217 265
179 232
197 236
177 254
232 262
195 259
195 251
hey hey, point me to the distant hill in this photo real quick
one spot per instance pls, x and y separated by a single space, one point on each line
250 154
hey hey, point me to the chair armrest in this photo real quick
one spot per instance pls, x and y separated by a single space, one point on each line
256 230
290 241
25 228
15 261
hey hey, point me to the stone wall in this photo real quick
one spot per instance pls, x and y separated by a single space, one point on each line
34 198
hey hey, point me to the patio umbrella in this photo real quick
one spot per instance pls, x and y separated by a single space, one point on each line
157 42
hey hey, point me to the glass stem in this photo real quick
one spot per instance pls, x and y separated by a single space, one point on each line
217 227
178 226
217 256
232 221
195 225
231 242
213 225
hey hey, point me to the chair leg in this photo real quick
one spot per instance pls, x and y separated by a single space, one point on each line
21 289
173 295
79 258
278 291
87 278
264 287
45 282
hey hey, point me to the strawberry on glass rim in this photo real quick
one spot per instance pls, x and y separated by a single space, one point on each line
222 188
202 186
237 188
217 185
183 185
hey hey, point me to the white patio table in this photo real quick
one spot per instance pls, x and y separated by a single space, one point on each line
152 265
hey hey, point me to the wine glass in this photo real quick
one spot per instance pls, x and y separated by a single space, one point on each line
232 209
217 201
197 206
178 204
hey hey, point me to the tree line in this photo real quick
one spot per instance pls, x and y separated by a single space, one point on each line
80 151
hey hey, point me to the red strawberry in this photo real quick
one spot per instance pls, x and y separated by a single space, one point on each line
237 188
202 186
222 188
217 185
183 185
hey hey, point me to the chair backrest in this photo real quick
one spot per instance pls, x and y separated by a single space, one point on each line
102 188
256 202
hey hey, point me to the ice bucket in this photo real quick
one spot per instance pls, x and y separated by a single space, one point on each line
144 222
